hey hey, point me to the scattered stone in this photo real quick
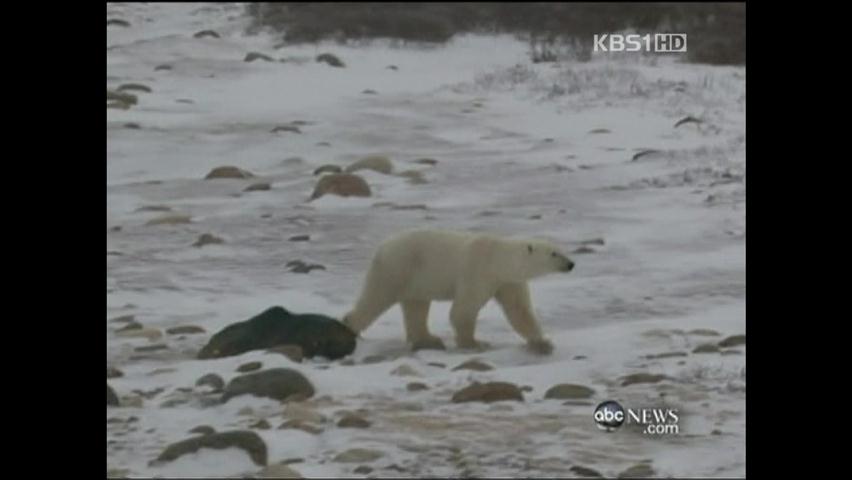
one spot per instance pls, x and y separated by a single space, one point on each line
203 430
358 455
731 352
127 99
362 470
576 403
378 163
706 348
353 421
391 67
405 371
323 144
436 364
138 87
581 471
252 56
118 22
535 217
685 120
330 59
341 184
488 392
277 383
315 334
300 425
207 239
261 424
426 161
416 206
593 241
584 249
416 387
526 388
293 352
369 92
258 187
475 365
112 398
666 355
299 238
211 380
566 391
151 334
170 220
642 378
185 100
116 228
640 470
132 126
704 332
228 172
185 330
305 268
278 471
599 131
733 341
716 432
151 348
162 67
286 128
373 359
244 439
131 325
643 153
328 169
113 372
154 208
206 33
414 177
249 367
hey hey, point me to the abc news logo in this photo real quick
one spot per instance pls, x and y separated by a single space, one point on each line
662 43
610 416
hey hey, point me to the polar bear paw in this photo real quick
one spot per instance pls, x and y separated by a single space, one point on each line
428 343
540 346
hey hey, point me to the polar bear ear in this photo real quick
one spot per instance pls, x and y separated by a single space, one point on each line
529 248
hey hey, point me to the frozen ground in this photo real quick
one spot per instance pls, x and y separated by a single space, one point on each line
520 149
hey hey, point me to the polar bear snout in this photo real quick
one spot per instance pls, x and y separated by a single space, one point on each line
567 264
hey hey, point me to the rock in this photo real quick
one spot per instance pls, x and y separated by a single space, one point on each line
132 126
315 334
642 378
299 238
249 367
246 412
261 424
369 92
392 67
358 455
704 332
565 391
154 208
475 365
404 371
243 439
252 56
277 383
416 387
300 425
258 187
373 359
112 398
685 120
118 22
731 352
341 184
733 341
126 99
113 372
211 380
414 177
535 217
581 471
323 144
228 172
328 169
600 131
666 355
640 470
207 239
293 352
205 34
426 161
185 100
162 67
278 471
583 249
138 87
286 128
185 330
362 470
132 325
170 220
330 59
706 348
151 348
116 228
203 430
436 364
151 334
488 392
123 319
377 163
416 206
352 421
592 241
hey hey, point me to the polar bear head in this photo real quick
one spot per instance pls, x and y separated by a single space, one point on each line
535 258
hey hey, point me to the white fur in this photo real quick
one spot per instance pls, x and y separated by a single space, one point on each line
417 267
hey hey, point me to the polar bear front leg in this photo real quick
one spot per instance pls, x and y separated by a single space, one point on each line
416 316
463 313
514 299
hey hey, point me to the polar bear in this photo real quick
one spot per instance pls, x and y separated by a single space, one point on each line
417 267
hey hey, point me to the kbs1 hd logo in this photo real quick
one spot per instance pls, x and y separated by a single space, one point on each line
659 43
610 416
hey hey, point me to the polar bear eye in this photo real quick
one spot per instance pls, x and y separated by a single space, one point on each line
553 254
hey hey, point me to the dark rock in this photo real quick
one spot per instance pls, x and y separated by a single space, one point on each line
599 131
170 220
151 348
258 187
488 392
162 67
113 372
581 471
286 128
132 126
704 332
330 59
666 355
392 67
300 425
362 469
640 470
341 184
731 352
642 378
185 330
126 99
299 238
276 383
203 430
244 439
416 387
369 92
249 367
733 341
353 421
206 33
293 352
118 22
583 249
211 380
261 424
112 398
185 100
328 169
566 391
373 359
685 120
252 56
643 153
706 348
207 239
228 172
436 364
138 87
305 268
426 161
475 365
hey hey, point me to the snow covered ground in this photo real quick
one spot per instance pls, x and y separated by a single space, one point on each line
543 149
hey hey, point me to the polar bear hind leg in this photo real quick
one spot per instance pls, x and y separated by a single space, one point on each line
415 313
